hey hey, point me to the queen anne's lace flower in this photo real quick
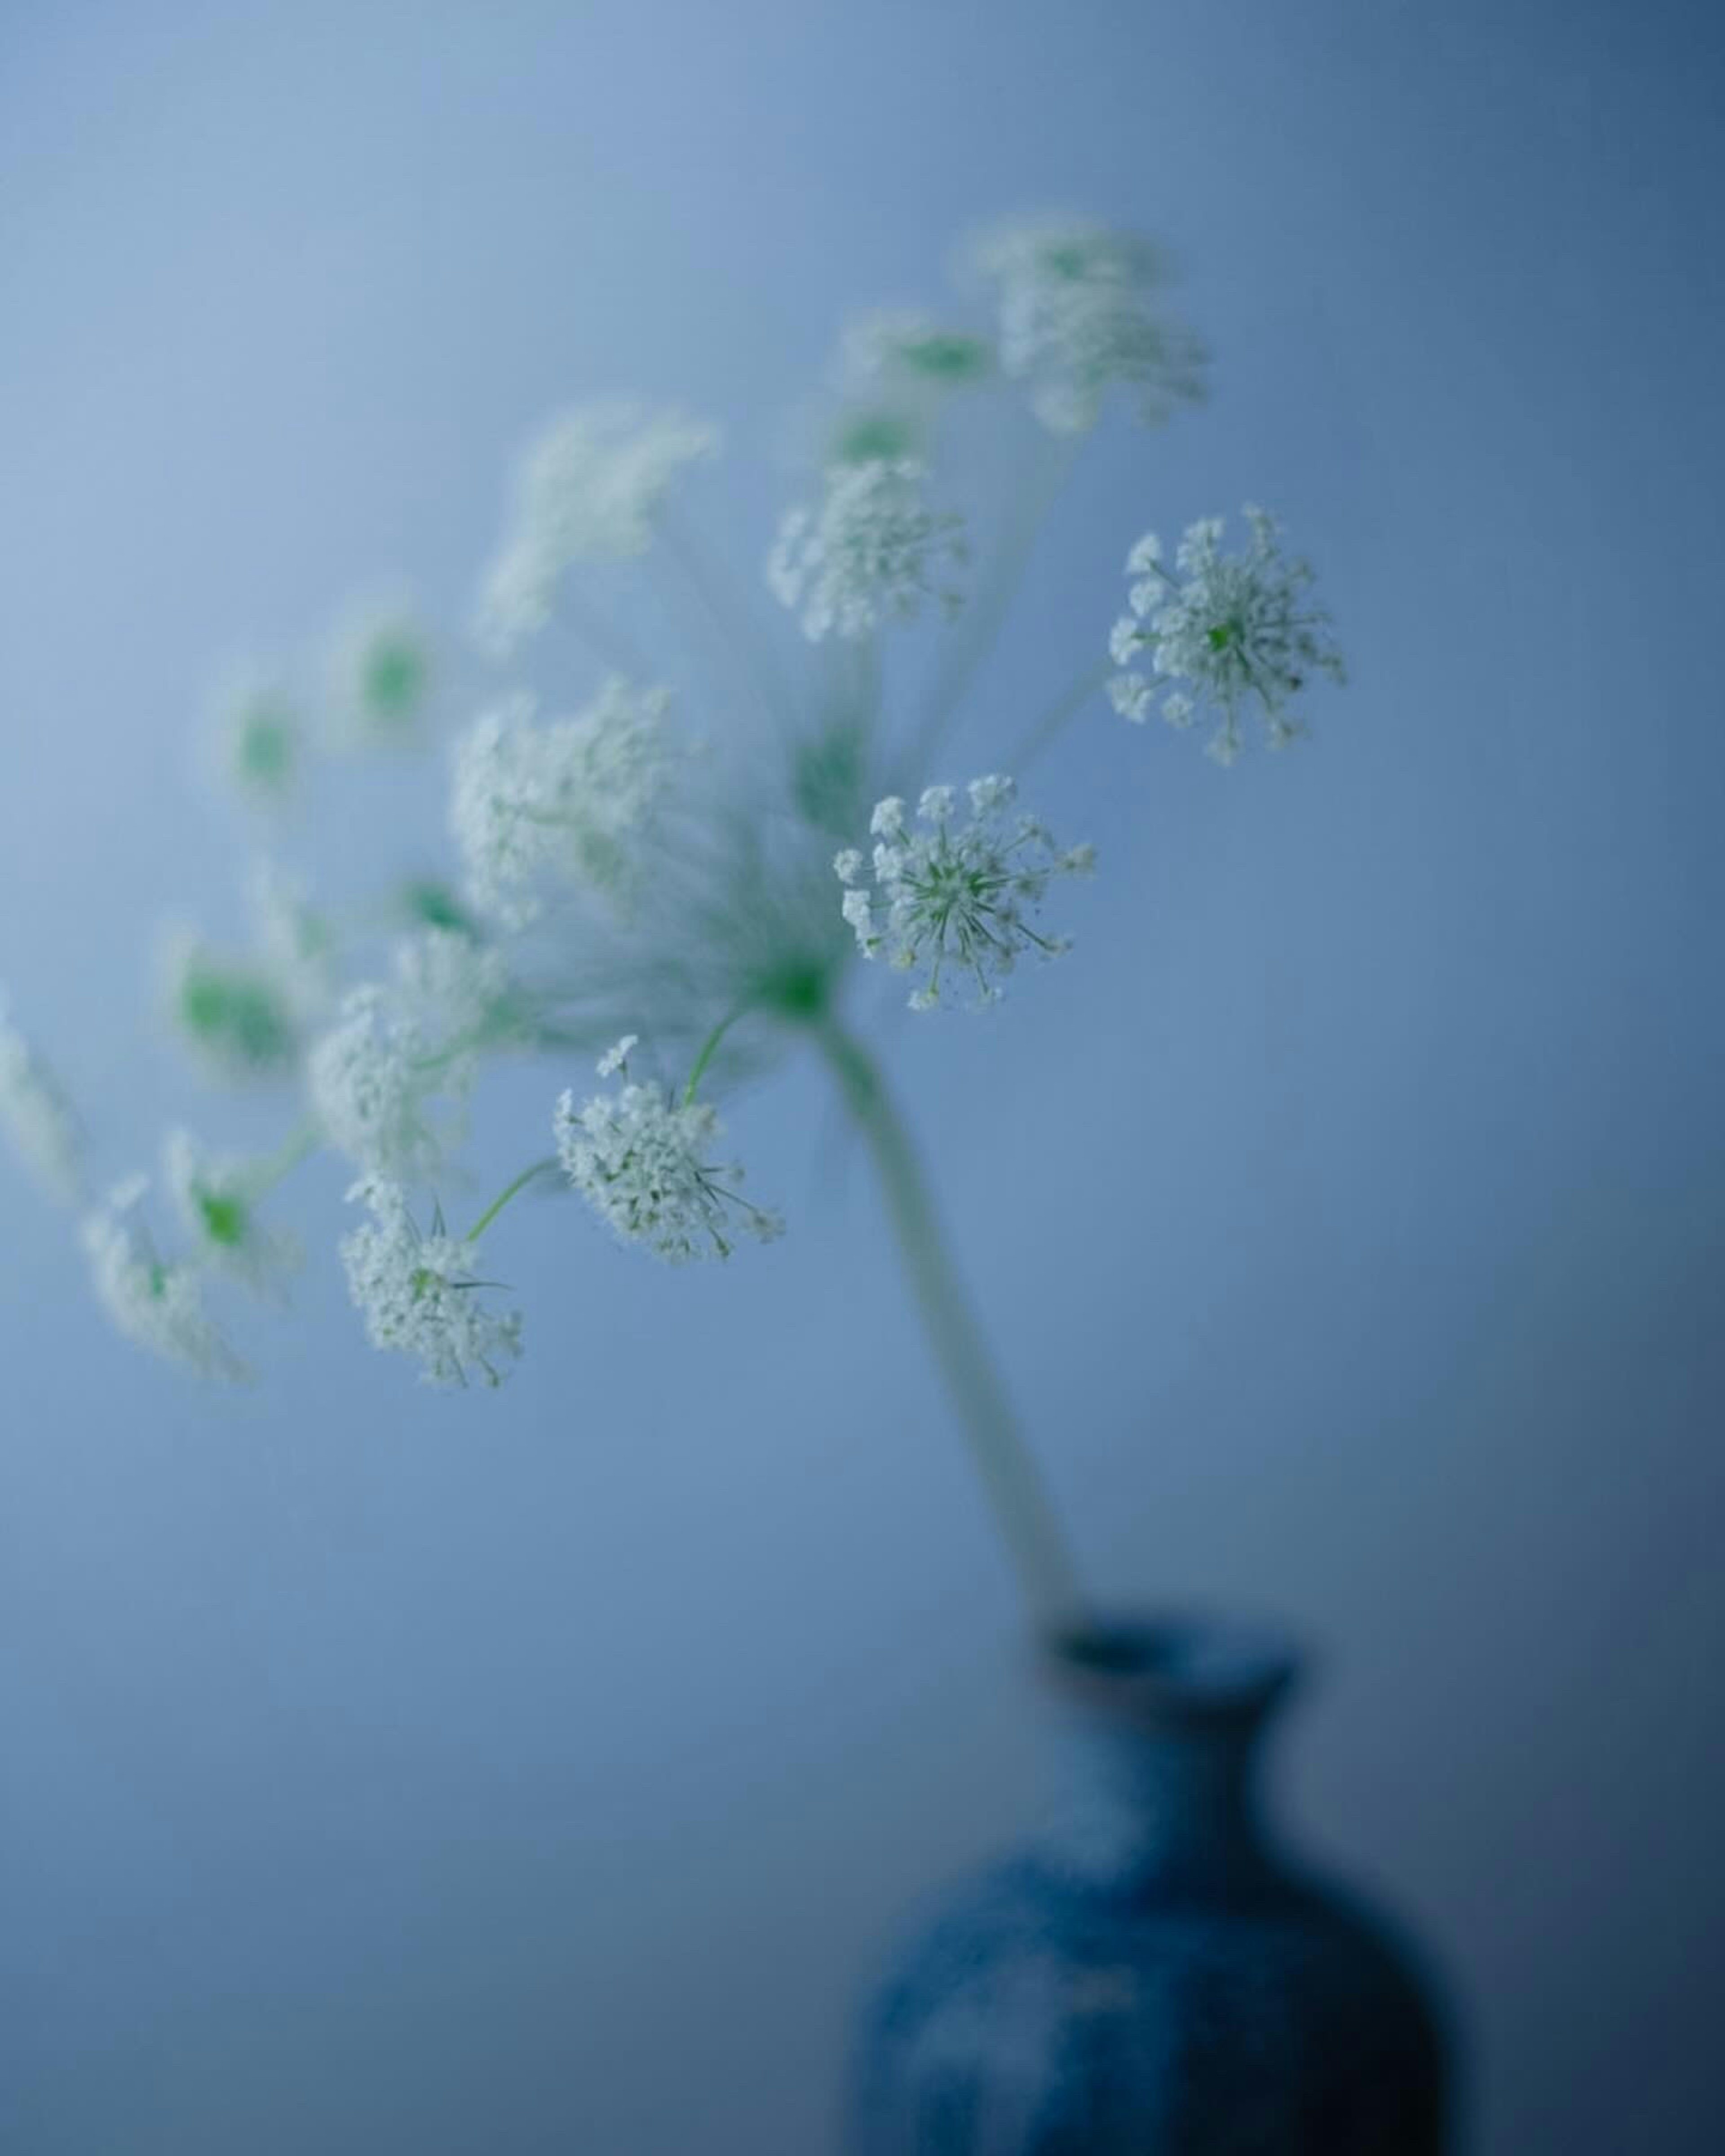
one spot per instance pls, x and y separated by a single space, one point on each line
574 799
38 1114
454 986
381 665
1227 628
258 737
589 489
217 1202
419 1294
641 1160
237 1016
1079 313
953 895
871 552
156 1305
904 352
370 1079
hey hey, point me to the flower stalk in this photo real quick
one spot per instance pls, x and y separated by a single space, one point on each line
1011 1479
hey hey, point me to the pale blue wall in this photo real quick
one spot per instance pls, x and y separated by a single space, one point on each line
383 1771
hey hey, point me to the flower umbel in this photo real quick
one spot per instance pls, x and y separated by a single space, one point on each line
419 1294
370 1079
953 895
156 1304
871 552
590 488
381 665
217 1202
641 1160
574 800
1081 312
1229 629
38 1114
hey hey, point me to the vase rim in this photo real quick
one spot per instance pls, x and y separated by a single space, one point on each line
1179 1663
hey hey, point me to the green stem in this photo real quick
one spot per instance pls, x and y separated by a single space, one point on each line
509 1191
708 1048
745 644
1010 1477
300 1144
981 623
1059 714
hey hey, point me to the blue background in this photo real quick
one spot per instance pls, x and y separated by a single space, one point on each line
385 1770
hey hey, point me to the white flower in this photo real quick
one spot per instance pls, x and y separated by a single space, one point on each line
954 894
911 353
1230 628
156 1305
590 488
450 984
258 737
575 798
381 665
870 554
237 1016
38 1114
419 1295
616 1057
370 1079
641 1160
1081 312
217 1201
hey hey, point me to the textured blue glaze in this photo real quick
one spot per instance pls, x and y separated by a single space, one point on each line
1151 1976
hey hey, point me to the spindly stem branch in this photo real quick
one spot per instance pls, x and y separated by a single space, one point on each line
709 1049
1060 713
509 1191
1010 1477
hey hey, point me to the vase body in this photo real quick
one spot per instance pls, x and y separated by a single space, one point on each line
1151 1976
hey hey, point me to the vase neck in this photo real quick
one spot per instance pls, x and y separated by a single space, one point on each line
1159 1732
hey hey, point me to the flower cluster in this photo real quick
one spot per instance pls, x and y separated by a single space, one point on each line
903 351
1229 628
953 896
258 737
575 799
642 1161
371 1078
157 1305
870 552
381 665
589 489
217 1203
38 1114
1080 314
589 879
420 1294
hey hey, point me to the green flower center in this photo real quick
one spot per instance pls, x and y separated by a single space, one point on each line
266 748
242 1017
393 678
224 1216
874 437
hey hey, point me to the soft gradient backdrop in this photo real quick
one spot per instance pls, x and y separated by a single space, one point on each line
385 1771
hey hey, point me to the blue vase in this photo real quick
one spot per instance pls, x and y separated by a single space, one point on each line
1151 1975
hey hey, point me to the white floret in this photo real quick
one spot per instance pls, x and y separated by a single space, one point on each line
872 551
420 1295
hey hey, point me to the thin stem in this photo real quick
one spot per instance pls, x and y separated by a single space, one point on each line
1011 1477
602 636
299 1145
509 1191
739 631
982 621
1059 714
708 1048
